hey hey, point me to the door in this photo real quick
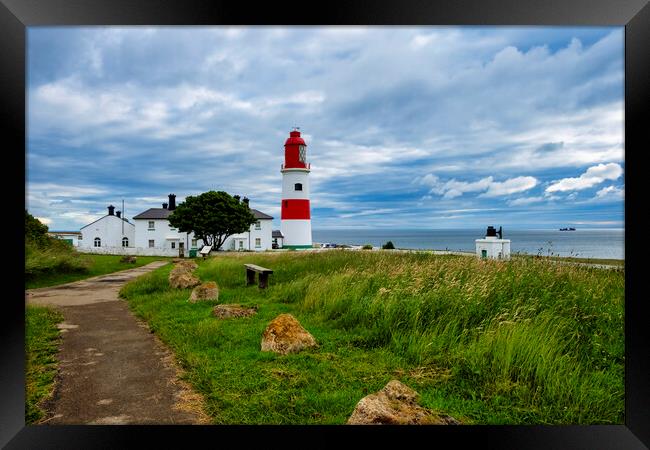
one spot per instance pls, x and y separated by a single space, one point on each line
483 253
181 249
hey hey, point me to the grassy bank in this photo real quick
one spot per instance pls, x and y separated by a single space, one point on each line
519 342
67 267
41 344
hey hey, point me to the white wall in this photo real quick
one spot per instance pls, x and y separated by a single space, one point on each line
264 234
289 180
296 232
493 248
162 231
163 234
109 230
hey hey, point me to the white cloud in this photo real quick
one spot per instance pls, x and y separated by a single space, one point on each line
610 191
454 188
526 201
511 186
593 176
44 220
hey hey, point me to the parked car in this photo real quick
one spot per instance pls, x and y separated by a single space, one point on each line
328 245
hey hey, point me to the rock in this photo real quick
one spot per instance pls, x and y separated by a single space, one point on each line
205 291
182 279
285 335
128 259
228 311
185 265
395 404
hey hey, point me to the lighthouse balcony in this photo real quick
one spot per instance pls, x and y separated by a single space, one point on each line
306 167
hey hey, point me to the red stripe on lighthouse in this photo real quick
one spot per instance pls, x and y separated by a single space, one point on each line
295 209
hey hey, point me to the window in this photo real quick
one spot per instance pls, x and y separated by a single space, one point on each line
298 187
302 153
173 244
258 242
241 245
79 237
193 242
125 242
150 243
258 225
151 225
98 242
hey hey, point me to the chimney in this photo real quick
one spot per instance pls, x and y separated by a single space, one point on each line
164 205
111 208
172 202
245 200
118 214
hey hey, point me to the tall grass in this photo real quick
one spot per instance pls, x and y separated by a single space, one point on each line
532 341
56 257
41 344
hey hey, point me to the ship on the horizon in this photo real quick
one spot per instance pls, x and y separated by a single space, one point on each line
567 229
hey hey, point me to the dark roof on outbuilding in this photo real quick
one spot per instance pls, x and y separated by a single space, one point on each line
162 213
154 213
260 215
277 234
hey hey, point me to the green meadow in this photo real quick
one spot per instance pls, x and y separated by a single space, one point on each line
60 264
525 341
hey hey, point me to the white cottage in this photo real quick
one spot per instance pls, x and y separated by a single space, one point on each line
109 234
155 235
493 247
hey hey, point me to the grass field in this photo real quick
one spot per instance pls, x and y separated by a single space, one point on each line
94 265
515 342
41 345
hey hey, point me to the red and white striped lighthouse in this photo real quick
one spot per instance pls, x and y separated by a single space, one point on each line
296 216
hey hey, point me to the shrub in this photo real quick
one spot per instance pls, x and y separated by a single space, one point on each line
388 246
367 247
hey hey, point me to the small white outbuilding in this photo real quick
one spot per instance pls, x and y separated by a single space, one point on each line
107 233
493 247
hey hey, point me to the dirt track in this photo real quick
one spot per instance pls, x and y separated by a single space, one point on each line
112 369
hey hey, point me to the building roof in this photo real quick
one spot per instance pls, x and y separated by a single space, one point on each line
64 232
154 213
260 215
107 215
277 234
162 213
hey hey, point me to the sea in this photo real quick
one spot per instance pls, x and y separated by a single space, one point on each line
581 243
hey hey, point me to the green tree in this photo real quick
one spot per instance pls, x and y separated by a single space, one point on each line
35 230
388 245
213 216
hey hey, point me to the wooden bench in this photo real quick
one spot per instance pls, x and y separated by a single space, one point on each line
251 269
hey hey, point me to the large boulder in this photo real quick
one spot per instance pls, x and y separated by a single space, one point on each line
395 404
185 265
205 291
229 311
183 279
285 335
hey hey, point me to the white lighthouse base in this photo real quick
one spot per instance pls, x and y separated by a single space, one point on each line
297 233
493 248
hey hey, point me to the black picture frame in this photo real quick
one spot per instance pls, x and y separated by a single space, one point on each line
17 15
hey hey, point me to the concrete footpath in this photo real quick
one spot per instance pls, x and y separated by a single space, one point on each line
112 369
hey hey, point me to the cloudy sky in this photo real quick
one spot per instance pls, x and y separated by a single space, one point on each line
407 127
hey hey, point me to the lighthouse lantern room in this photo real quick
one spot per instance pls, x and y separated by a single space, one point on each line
296 215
